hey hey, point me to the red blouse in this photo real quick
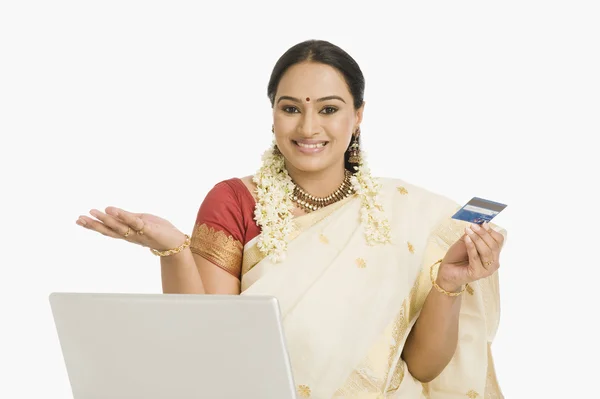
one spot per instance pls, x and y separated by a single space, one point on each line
225 223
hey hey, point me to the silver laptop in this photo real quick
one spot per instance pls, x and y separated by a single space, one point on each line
162 346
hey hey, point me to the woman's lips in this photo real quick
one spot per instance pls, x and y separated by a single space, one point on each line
310 146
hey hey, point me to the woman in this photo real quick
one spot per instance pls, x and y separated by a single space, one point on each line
373 277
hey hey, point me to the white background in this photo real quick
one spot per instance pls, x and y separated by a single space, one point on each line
147 104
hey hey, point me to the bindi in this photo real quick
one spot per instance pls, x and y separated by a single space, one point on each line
307 99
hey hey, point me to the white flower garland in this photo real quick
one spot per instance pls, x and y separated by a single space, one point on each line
273 212
372 215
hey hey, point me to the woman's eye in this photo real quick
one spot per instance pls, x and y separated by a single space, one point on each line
290 110
329 110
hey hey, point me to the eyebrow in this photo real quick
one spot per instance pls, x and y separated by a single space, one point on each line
294 99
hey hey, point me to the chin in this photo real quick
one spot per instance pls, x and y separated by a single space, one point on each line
309 164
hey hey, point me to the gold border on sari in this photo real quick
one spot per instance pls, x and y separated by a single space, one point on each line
363 379
219 248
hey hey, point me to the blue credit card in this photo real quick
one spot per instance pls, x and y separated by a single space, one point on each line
479 210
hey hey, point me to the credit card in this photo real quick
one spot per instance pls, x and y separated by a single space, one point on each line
479 210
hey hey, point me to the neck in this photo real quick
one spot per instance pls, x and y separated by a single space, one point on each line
318 184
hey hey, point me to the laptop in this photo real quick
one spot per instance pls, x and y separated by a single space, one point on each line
172 346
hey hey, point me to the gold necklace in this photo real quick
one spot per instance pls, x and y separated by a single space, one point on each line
311 203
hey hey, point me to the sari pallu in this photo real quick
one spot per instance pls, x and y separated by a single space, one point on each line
348 307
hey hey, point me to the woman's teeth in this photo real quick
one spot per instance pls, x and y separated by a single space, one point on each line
311 145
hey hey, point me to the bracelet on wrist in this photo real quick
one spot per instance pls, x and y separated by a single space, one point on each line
173 251
440 289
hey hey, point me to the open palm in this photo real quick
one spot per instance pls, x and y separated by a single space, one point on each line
139 228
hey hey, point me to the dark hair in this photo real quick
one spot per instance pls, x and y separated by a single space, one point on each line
323 52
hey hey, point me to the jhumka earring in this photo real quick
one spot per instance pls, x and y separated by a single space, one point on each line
354 150
275 148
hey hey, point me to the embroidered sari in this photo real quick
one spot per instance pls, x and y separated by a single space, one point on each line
347 306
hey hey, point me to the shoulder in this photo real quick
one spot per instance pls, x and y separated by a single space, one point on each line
229 206
230 196
416 207
249 184
228 186
235 188
412 193
425 205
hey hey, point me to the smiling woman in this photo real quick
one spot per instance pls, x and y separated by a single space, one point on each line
322 127
373 276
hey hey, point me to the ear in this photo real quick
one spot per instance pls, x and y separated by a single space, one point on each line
359 114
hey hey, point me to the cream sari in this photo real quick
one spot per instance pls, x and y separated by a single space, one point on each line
348 307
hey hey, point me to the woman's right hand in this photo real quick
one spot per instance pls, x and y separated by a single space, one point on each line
138 228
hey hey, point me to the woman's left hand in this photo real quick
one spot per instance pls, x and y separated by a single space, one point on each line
474 256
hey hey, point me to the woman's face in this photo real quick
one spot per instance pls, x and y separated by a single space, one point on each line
314 117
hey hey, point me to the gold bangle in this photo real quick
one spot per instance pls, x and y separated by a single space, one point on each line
174 250
440 289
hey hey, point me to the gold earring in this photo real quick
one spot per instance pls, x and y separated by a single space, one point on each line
354 150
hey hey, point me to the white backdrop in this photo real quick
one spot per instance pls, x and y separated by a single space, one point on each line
146 105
